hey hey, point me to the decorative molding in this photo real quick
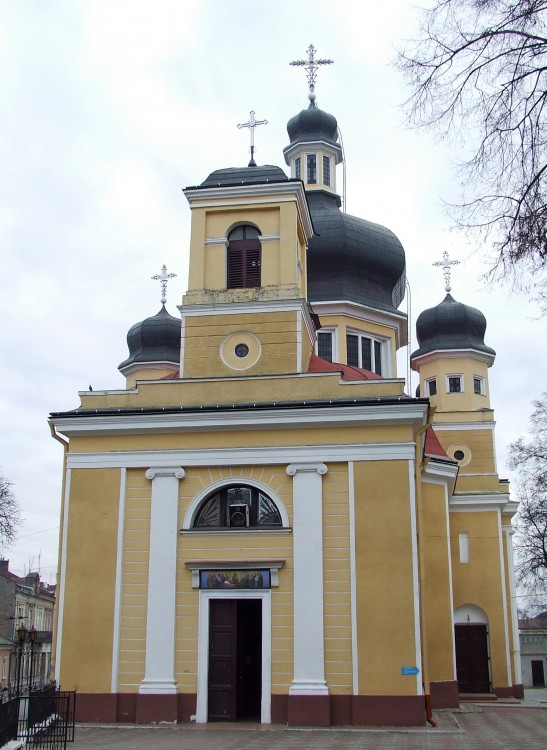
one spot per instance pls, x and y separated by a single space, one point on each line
276 417
62 577
396 321
416 598
480 502
165 471
273 565
293 469
118 583
299 454
463 426
417 362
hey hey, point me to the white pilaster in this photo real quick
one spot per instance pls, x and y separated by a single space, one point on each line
159 675
309 657
515 646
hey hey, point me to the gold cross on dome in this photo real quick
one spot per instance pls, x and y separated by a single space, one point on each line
163 278
252 124
311 66
446 265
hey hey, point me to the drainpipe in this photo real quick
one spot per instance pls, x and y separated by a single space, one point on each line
65 444
420 463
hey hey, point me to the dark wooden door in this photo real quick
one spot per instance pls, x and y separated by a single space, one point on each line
538 674
472 658
222 660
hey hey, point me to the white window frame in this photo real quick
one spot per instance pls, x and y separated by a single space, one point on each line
334 338
455 375
384 351
463 541
427 388
481 380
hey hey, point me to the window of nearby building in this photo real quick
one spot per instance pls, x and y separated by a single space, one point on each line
244 258
478 385
311 168
431 387
454 383
297 168
326 170
325 345
237 506
365 352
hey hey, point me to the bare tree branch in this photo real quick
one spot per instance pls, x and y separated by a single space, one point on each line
10 512
478 76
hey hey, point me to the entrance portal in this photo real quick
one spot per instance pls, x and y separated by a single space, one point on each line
235 659
472 658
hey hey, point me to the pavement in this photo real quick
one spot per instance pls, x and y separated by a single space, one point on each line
492 726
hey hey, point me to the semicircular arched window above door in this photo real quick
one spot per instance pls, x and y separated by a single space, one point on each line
237 507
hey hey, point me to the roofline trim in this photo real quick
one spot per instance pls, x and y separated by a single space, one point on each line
434 354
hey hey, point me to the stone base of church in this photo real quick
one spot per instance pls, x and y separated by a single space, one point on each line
444 694
349 710
518 691
295 710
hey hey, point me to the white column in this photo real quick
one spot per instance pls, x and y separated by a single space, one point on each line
159 675
509 531
309 656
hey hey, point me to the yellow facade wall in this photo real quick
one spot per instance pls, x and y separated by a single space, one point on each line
480 581
136 545
90 578
276 332
465 401
337 581
438 632
384 563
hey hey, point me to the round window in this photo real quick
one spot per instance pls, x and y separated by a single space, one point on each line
241 350
459 455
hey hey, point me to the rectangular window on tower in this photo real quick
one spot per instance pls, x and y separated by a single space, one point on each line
326 170
478 385
455 383
431 387
311 168
297 168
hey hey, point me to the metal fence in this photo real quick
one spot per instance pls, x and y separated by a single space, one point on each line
42 719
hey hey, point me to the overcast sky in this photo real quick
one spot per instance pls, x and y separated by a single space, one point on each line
108 109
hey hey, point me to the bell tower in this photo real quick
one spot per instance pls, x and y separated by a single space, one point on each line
246 310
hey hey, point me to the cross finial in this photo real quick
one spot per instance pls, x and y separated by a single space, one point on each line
311 65
163 278
446 264
252 124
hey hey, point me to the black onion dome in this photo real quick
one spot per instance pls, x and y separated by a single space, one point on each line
313 124
451 325
156 339
245 176
352 259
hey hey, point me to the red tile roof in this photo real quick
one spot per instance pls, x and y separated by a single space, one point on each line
432 445
348 372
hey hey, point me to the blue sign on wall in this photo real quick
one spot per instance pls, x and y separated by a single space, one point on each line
410 670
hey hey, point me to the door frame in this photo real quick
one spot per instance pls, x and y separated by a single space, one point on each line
203 649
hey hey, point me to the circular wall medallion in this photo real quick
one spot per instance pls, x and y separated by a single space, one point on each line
240 350
460 453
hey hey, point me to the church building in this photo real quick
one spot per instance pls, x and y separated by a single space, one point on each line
261 523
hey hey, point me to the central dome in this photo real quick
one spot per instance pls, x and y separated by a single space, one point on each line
352 259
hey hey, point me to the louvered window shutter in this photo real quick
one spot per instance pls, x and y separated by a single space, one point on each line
235 267
244 260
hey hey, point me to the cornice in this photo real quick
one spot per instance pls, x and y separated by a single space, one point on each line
433 356
239 416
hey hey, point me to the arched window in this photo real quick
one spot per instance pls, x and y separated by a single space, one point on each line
237 506
244 258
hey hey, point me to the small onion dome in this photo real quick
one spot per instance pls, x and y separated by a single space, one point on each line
352 259
245 176
156 339
313 125
451 325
